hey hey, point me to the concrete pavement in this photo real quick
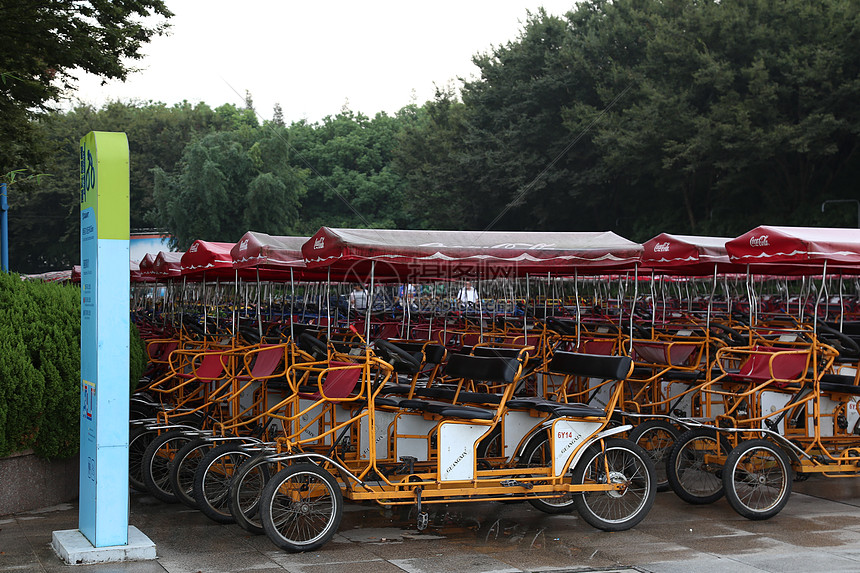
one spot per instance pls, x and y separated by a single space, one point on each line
819 530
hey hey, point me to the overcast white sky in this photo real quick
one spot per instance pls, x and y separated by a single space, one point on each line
314 56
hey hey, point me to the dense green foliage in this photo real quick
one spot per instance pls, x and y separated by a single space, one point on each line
40 366
352 182
45 44
137 358
638 116
44 214
647 116
229 182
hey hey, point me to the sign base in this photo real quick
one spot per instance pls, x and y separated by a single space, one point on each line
75 549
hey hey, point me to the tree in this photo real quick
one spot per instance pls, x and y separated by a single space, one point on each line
437 193
43 216
44 44
645 116
230 182
739 113
352 182
278 115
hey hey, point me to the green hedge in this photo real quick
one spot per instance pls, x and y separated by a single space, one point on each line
137 358
40 367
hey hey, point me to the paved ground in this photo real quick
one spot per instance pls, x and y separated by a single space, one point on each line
819 530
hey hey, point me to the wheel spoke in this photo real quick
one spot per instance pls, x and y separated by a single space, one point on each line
302 508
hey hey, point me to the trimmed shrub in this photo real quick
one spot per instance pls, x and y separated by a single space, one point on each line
137 358
40 366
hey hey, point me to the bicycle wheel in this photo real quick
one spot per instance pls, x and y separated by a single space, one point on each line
621 461
538 454
657 438
212 480
491 446
246 489
138 440
301 507
757 479
183 467
693 468
159 454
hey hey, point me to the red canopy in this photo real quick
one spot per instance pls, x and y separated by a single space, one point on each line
687 255
259 249
137 275
437 254
167 265
207 257
273 257
147 265
803 248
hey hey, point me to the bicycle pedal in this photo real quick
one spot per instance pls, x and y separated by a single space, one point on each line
409 463
515 483
423 520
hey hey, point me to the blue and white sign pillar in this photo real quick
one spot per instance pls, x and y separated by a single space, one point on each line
103 532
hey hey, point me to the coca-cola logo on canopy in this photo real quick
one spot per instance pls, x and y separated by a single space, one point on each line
759 241
661 248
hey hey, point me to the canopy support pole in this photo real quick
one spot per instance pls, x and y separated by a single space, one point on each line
292 300
622 292
205 308
578 310
328 303
369 305
821 291
815 326
409 311
480 308
215 302
259 307
633 302
271 306
750 300
526 314
182 300
432 312
450 305
403 306
708 318
236 287
653 305
546 296
841 304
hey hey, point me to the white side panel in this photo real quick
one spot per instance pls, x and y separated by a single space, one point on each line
772 402
383 427
516 425
457 450
826 407
672 389
717 407
567 436
408 424
342 413
604 394
852 412
313 430
246 398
